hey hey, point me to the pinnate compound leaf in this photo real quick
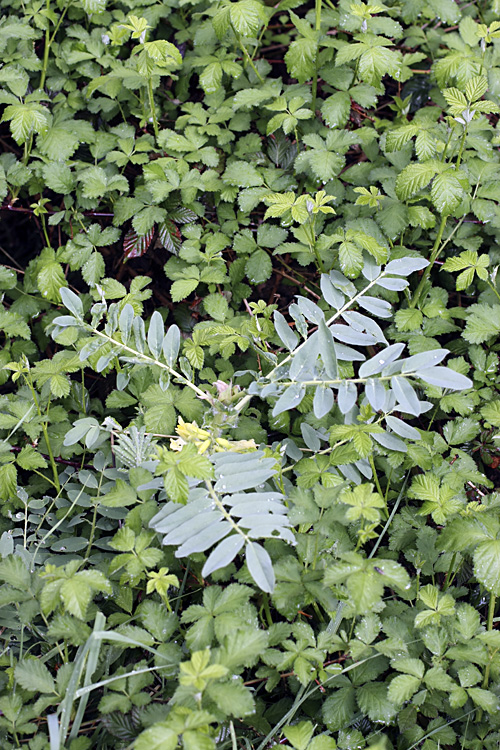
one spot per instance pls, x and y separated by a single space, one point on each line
322 402
236 472
347 396
260 566
288 337
377 363
402 429
327 349
405 266
378 307
223 554
290 399
406 396
424 360
156 334
71 301
171 344
444 377
391 442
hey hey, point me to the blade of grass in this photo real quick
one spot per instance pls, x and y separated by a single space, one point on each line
80 660
89 671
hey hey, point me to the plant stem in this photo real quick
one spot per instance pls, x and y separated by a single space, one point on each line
244 401
315 250
450 575
247 56
201 394
48 43
489 626
493 289
377 482
317 26
461 149
436 250
267 609
152 106
46 51
45 431
434 254
44 230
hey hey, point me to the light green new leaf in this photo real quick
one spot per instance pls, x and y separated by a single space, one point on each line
446 192
485 699
402 688
158 737
182 288
476 87
300 734
300 59
246 16
211 77
413 178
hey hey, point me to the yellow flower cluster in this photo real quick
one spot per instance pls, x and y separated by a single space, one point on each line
189 432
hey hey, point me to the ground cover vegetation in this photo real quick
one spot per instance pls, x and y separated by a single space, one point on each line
250 401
